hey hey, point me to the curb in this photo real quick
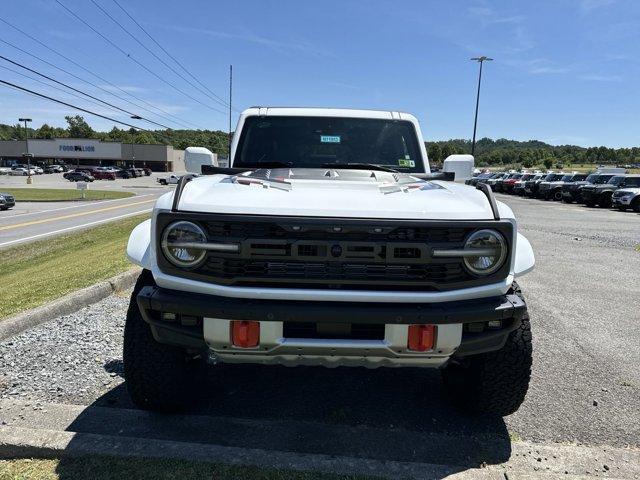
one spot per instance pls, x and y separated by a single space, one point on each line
68 304
16 442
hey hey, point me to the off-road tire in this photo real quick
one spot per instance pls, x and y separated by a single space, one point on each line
494 383
557 195
605 201
635 205
158 377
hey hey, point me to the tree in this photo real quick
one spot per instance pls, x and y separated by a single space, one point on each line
78 127
434 153
547 162
45 131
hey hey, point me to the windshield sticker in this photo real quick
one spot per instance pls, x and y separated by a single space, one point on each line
330 138
406 163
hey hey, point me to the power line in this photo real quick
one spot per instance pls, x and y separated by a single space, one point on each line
168 54
13 85
180 122
81 92
137 40
48 85
128 55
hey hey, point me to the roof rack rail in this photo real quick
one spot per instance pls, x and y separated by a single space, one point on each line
486 189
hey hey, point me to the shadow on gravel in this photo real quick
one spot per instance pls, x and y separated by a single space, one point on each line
384 414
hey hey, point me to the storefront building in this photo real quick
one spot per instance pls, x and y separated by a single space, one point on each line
90 152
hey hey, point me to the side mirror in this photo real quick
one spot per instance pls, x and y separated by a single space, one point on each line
460 165
196 157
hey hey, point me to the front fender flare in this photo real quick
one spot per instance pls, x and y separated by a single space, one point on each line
138 247
525 260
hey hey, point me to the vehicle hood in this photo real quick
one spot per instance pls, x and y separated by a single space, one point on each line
619 191
334 193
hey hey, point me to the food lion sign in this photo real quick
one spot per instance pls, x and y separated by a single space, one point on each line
75 148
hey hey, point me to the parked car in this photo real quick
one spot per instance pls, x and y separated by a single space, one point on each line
79 176
104 175
19 171
625 198
498 185
531 187
170 180
473 181
553 189
496 178
53 169
601 194
147 171
7 201
518 186
510 182
281 263
572 192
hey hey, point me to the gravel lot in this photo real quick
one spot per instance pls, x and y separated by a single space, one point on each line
585 308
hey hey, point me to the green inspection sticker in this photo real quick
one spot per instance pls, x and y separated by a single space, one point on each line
406 163
330 138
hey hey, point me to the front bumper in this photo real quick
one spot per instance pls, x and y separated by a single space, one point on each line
210 317
621 201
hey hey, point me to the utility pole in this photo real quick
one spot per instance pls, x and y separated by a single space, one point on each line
27 154
480 60
230 100
133 153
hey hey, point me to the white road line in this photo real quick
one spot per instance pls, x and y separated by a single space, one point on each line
76 227
90 203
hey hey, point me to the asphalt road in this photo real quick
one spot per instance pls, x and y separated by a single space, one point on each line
30 221
584 300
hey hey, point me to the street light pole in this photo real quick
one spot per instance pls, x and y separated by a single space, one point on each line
480 60
133 153
26 143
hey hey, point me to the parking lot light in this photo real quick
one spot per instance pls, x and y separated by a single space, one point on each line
26 154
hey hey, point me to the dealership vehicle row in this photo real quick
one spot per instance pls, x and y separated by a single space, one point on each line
602 188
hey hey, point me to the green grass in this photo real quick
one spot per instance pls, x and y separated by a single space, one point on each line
39 272
108 468
62 195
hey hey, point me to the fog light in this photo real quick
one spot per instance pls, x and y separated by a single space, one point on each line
245 334
494 324
169 317
421 337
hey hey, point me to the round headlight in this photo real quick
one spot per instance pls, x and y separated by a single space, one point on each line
180 244
492 252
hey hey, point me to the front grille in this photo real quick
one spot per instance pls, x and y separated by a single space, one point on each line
291 252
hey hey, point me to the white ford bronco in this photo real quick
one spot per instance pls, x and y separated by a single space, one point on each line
329 242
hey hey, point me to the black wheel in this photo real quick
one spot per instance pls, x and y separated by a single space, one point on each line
494 383
635 205
158 377
605 201
557 195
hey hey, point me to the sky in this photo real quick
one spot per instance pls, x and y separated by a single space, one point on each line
564 71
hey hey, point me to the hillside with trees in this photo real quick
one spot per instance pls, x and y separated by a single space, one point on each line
488 152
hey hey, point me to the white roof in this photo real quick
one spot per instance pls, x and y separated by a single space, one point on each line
328 112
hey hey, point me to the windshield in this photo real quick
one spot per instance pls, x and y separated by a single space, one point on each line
603 178
615 180
314 142
632 182
550 177
592 178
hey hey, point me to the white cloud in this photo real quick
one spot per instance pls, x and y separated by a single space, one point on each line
589 5
294 45
601 78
